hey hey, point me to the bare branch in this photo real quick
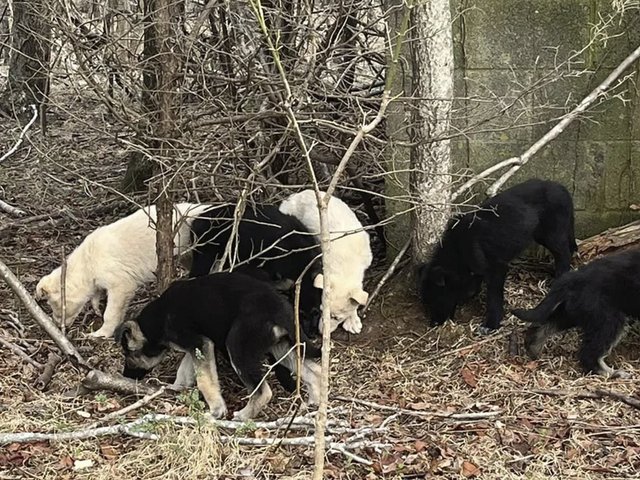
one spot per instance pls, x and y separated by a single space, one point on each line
40 316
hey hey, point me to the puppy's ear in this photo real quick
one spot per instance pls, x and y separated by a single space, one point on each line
41 291
360 296
129 336
318 281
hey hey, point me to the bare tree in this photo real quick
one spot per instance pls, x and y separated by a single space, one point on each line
432 60
30 54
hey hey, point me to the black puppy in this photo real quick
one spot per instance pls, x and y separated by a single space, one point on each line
267 239
240 315
478 246
598 298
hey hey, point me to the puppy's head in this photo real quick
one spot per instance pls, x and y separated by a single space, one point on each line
443 289
49 288
140 354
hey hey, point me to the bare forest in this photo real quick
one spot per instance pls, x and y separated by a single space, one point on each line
110 106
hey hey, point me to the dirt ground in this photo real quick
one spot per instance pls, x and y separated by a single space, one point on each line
449 402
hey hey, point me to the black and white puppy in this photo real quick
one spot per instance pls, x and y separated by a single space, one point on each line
478 246
599 299
277 243
238 314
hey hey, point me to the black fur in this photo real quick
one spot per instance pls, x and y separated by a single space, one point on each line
289 249
598 298
235 311
478 246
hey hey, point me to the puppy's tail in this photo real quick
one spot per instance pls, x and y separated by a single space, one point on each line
543 311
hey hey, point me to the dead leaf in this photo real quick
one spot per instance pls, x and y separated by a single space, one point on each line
65 462
469 469
635 207
419 445
109 452
419 406
468 377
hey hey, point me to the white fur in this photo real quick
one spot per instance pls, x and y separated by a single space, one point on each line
116 259
348 259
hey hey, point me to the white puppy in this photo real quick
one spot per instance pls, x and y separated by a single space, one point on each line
349 257
116 259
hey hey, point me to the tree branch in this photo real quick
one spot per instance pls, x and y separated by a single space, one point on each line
40 316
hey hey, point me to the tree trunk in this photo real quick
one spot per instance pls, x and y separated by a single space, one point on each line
432 56
30 54
162 66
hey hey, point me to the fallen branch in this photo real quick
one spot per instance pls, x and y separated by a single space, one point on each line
49 369
11 210
472 416
140 428
597 394
20 352
632 402
8 227
134 406
387 275
22 134
610 241
40 316
97 380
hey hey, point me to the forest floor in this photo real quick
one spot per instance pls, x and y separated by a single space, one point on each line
449 402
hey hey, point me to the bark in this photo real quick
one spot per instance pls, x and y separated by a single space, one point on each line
432 58
30 53
162 47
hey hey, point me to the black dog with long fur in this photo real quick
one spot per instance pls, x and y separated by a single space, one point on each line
238 314
599 299
267 239
478 246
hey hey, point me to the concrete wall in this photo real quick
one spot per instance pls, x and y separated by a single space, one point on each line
506 53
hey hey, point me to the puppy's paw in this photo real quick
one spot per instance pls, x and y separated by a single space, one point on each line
103 332
218 411
353 325
485 331
623 374
243 415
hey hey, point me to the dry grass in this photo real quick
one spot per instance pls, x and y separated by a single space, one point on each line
397 362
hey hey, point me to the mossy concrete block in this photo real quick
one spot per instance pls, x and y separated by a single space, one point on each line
618 175
556 97
589 177
459 154
524 33
611 118
497 110
592 223
634 165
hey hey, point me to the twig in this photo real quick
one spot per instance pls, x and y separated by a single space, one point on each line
21 353
97 380
11 210
632 402
597 394
22 133
473 416
40 316
7 227
388 274
134 406
49 369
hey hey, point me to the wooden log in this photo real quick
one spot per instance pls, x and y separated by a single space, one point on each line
609 241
